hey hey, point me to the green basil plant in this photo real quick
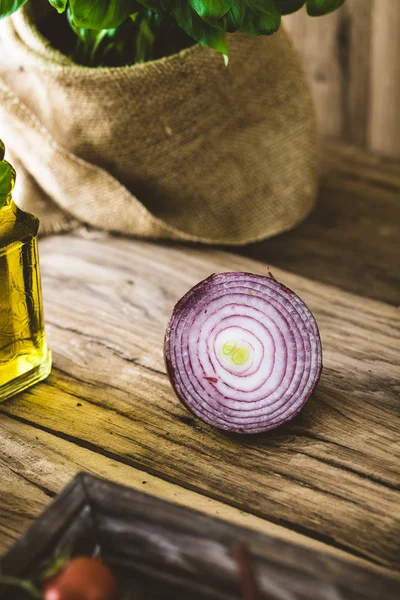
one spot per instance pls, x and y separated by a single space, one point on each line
135 31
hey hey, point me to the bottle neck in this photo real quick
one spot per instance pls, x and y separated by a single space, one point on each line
15 224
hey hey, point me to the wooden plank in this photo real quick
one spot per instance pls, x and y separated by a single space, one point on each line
350 59
354 49
332 474
36 465
20 503
384 124
316 42
351 239
36 545
202 549
140 534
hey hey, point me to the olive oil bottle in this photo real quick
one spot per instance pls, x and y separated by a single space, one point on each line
24 356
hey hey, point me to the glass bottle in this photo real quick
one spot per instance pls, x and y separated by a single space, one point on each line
24 356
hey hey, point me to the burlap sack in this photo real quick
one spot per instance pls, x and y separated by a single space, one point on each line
181 148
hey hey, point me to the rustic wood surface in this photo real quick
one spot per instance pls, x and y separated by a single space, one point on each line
35 465
384 127
352 238
328 482
332 474
180 553
351 57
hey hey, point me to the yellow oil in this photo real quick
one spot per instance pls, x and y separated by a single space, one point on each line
24 356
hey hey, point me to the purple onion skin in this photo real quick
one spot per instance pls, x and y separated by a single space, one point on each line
243 352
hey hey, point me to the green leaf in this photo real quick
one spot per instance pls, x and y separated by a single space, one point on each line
197 28
88 36
261 17
101 14
59 5
233 19
317 8
8 7
192 24
289 6
7 180
23 584
144 41
211 9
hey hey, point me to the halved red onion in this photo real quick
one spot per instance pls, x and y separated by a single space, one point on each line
243 352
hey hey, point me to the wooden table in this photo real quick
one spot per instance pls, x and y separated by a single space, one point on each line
329 480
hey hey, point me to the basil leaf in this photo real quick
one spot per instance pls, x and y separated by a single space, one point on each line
101 14
289 6
192 24
211 9
86 35
317 8
59 5
144 42
261 17
233 19
8 7
7 179
197 28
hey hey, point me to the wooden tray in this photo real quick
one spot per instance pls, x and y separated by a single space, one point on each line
159 550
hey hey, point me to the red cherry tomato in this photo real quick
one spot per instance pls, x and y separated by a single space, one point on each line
83 578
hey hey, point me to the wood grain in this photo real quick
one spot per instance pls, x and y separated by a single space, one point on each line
181 553
351 240
336 53
384 124
354 51
351 60
316 42
36 465
332 474
202 549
